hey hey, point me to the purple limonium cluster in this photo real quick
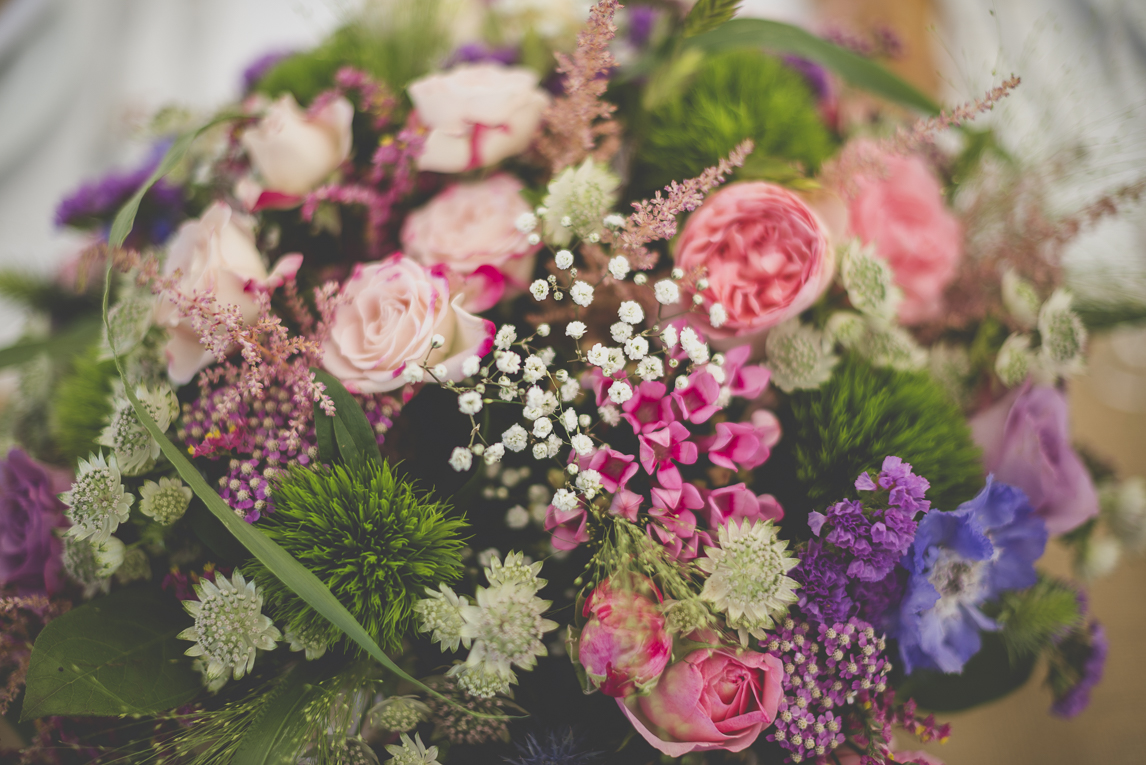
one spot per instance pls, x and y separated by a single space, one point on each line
825 668
1078 661
849 568
30 550
958 561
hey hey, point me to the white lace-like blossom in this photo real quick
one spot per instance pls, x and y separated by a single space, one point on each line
542 427
1020 299
312 646
570 389
696 348
869 281
619 267
620 392
584 195
575 329
581 293
534 369
515 570
166 501
748 575
666 292
97 502
412 752
230 626
637 348
631 312
564 500
651 368
471 366
847 328
1062 335
569 419
509 363
494 453
621 331
581 444
461 459
515 439
441 614
1014 360
589 482
539 289
88 563
505 337
135 449
413 374
798 356
670 336
717 315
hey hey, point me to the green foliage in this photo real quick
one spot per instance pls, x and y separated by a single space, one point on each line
396 51
1034 617
370 537
347 436
81 405
707 15
115 656
732 96
860 416
987 676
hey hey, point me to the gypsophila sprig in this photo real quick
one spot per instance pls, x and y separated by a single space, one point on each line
165 501
230 627
97 502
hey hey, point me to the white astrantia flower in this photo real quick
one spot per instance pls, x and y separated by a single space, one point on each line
135 449
717 315
620 392
441 614
581 293
1014 361
534 369
129 321
651 368
471 366
515 439
398 714
619 267
312 646
230 627
667 292
584 195
798 357
631 312
108 556
81 559
621 331
589 482
412 752
748 576
166 501
539 289
505 337
509 362
1021 299
846 328
515 570
563 259
469 402
891 346
637 348
97 502
564 500
494 453
1062 335
575 329
609 415
581 444
461 459
869 281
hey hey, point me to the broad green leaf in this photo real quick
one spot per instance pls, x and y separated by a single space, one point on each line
785 38
352 432
276 736
125 218
707 15
75 339
117 655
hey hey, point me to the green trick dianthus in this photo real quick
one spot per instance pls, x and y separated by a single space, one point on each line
734 95
852 422
370 537
81 405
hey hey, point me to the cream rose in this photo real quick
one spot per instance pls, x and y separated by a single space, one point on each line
293 151
470 228
387 321
478 114
215 254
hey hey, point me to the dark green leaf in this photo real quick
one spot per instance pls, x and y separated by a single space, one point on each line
989 675
71 342
353 433
785 38
278 732
324 433
707 15
114 656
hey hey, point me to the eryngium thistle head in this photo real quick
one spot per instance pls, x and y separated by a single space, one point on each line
375 542
97 502
229 626
557 747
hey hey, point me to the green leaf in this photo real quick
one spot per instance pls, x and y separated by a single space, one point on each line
117 655
125 218
707 15
987 676
71 342
279 731
785 38
352 432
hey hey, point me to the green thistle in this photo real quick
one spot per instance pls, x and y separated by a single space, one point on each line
734 95
857 418
370 537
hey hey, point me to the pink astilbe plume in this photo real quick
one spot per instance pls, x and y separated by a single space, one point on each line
579 124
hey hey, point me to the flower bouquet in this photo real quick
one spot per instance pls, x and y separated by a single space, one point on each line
634 390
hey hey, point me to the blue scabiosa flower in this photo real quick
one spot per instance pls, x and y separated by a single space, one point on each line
960 560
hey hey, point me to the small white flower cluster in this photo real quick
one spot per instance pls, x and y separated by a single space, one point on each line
97 502
502 628
799 355
1061 333
91 563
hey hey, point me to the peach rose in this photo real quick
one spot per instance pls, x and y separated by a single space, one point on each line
478 114
293 151
898 207
765 253
389 316
216 255
470 228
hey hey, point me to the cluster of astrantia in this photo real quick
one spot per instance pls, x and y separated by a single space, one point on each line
1061 335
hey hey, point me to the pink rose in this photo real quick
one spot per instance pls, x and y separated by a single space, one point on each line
898 206
623 645
765 253
391 312
470 228
216 255
294 151
478 114
1025 438
713 699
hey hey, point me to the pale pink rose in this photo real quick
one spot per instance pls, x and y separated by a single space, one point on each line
294 151
765 253
897 205
1025 437
216 255
624 646
712 699
478 115
470 228
391 311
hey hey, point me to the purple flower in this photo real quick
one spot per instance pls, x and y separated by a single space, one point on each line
814 75
958 561
477 53
1090 653
823 585
258 68
641 21
1025 439
29 514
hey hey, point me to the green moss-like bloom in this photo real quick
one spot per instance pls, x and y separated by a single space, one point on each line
734 95
81 405
853 421
370 537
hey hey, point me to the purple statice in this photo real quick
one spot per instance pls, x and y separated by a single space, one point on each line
823 585
30 513
1088 651
257 69
642 19
816 76
479 53
825 669
878 602
958 561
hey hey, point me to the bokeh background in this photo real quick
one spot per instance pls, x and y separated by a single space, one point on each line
79 80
